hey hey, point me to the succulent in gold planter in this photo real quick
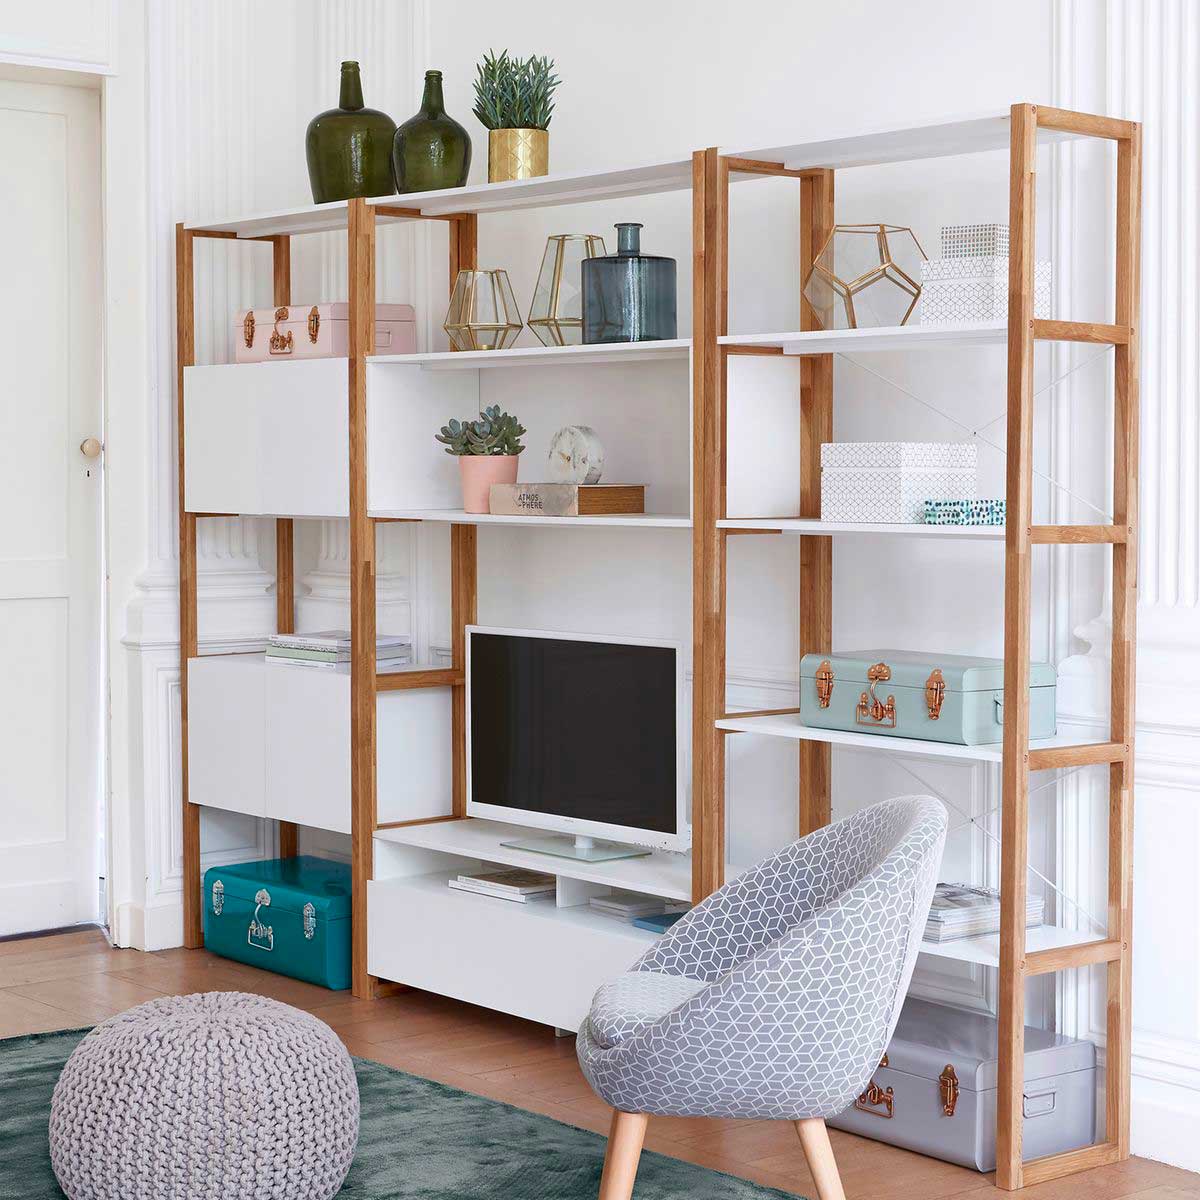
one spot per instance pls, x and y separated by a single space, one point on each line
514 100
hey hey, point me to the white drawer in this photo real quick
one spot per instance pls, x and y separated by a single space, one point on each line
531 960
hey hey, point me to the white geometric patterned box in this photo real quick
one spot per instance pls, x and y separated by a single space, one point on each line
954 290
958 455
890 495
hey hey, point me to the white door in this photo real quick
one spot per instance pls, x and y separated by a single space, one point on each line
50 505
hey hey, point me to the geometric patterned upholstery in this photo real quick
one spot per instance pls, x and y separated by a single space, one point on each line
805 960
635 999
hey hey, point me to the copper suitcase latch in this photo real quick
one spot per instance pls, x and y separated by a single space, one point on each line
824 684
948 1090
248 328
935 693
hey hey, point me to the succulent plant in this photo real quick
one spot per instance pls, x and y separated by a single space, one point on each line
515 93
494 432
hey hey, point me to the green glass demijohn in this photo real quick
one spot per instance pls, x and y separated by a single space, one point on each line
431 150
349 148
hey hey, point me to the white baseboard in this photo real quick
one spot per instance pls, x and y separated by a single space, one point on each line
1164 1120
149 927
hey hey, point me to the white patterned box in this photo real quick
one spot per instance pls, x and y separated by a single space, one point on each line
954 290
974 241
889 482
889 495
956 455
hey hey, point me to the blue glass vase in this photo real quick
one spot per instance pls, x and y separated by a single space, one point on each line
628 296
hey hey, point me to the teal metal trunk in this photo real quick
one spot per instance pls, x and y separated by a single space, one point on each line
290 915
933 697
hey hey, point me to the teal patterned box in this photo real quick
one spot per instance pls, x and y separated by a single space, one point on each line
933 697
290 915
964 512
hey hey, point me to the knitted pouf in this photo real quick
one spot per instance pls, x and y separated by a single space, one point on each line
219 1096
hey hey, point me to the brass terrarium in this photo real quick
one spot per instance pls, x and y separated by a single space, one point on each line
865 275
483 312
556 314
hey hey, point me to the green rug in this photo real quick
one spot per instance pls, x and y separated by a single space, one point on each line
419 1140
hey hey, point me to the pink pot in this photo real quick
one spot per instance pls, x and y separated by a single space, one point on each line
479 472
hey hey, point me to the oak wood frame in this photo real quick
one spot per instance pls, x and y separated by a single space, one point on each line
365 683
816 391
1116 950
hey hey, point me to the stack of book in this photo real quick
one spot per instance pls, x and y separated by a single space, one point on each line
629 906
331 648
520 886
960 911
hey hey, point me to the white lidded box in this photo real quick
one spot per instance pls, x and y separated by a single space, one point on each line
889 482
975 288
318 331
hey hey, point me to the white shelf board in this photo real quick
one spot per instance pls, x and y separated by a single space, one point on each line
657 874
456 516
544 191
985 948
576 916
891 337
539 356
974 533
961 135
789 725
954 136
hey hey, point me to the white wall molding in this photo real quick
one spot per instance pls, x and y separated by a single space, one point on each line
229 90
1139 61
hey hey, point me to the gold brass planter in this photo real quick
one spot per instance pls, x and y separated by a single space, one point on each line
556 314
483 312
517 154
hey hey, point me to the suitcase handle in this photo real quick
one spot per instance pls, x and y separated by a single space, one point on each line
871 710
280 343
877 1101
259 935
1038 1104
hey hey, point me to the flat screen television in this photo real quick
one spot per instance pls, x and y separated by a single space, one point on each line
580 735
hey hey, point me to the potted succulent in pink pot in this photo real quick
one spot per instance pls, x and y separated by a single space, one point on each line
487 449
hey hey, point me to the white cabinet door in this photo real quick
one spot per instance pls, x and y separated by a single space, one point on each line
308 746
227 765
50 494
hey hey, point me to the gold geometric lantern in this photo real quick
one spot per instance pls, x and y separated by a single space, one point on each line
483 312
865 275
556 314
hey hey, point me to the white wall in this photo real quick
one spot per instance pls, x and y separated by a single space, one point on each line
206 115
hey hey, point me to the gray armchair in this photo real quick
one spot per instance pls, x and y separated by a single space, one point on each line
777 996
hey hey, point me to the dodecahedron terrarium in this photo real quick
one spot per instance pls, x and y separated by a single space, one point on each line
865 275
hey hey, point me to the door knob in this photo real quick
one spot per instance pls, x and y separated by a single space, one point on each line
91 447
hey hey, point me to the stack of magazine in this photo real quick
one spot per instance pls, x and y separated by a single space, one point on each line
331 648
629 906
960 911
520 886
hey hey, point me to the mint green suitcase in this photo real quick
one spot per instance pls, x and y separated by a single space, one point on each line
934 697
290 915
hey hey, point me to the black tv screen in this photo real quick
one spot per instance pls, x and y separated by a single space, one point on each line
574 729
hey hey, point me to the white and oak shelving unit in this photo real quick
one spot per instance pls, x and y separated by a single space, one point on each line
382 756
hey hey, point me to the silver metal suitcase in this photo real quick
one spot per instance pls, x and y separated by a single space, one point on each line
935 1090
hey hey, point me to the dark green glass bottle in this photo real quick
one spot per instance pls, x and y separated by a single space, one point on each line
431 150
349 148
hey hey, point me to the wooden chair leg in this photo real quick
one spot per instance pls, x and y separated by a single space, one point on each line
625 1137
814 1139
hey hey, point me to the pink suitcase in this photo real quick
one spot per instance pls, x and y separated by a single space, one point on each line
318 331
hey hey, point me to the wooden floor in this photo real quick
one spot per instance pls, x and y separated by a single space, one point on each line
75 979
